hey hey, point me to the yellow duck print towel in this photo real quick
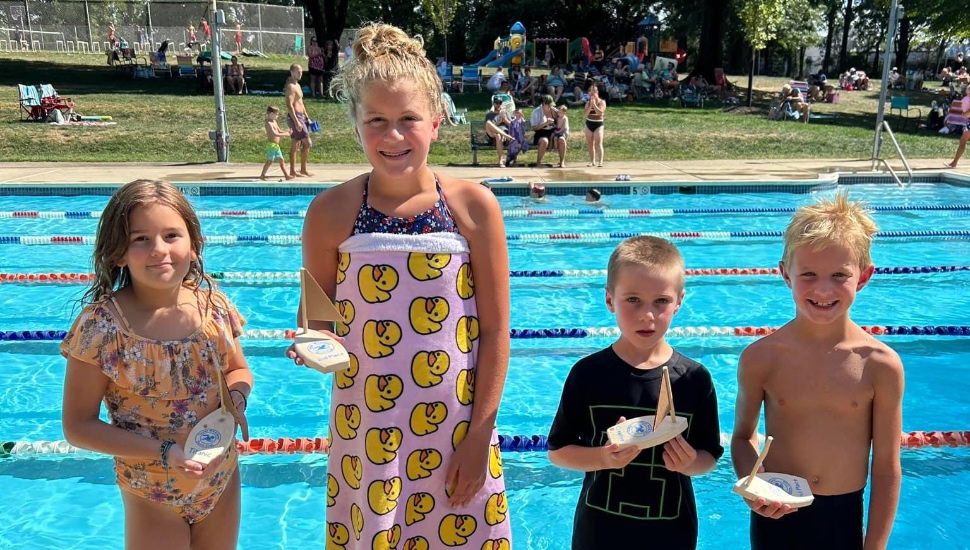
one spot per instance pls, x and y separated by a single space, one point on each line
399 415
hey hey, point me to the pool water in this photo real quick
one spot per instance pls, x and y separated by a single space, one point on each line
53 502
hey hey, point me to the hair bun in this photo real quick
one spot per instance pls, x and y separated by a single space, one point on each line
379 40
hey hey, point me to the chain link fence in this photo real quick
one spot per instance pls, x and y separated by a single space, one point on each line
87 25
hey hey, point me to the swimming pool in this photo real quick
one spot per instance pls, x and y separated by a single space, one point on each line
56 501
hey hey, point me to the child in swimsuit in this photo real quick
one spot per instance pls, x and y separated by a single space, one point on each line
153 342
417 263
273 135
832 393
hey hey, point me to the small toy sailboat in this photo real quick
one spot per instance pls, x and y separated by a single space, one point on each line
214 433
318 350
645 432
773 487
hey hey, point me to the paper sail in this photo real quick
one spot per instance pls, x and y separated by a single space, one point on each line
319 351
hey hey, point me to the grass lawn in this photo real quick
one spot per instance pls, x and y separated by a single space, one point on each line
166 120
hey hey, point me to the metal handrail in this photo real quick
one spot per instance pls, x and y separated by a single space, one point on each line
899 150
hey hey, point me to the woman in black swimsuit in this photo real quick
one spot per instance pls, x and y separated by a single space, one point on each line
594 112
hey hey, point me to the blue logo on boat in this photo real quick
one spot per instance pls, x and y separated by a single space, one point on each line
208 438
781 484
639 429
321 347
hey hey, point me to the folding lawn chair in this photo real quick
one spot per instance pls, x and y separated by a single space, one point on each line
186 69
446 72
801 86
690 96
50 100
471 75
899 106
30 104
508 104
458 116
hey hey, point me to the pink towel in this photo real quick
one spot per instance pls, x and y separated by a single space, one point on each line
397 413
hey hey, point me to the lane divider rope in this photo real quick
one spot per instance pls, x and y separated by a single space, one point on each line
555 333
507 443
286 240
669 212
507 213
294 276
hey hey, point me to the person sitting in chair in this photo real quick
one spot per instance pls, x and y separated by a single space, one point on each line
235 77
497 125
794 98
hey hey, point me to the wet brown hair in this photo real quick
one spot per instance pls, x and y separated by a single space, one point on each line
387 54
113 237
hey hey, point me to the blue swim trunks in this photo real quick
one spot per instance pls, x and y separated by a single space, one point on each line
273 152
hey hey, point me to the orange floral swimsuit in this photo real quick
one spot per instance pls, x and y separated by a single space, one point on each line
160 389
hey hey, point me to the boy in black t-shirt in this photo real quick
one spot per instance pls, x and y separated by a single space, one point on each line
632 497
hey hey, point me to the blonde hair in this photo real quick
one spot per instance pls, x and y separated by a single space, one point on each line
387 54
650 252
272 109
113 236
832 222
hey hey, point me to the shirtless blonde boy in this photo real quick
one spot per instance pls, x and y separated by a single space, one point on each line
832 393
273 135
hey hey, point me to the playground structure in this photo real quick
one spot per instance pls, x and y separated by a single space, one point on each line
650 43
579 52
537 49
508 50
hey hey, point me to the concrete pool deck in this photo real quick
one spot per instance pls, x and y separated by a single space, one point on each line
700 171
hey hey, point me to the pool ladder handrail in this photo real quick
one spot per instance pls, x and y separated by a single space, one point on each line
899 150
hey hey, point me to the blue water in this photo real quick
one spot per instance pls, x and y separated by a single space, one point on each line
54 503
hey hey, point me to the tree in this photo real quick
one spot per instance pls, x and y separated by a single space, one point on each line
799 28
760 19
329 17
831 14
846 28
705 19
441 12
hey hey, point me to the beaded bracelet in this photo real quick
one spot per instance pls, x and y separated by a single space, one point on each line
166 445
245 400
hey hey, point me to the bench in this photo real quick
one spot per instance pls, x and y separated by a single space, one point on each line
481 140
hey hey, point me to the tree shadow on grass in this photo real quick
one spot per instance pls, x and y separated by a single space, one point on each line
71 79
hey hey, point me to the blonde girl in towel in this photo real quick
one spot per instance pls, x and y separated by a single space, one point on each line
417 264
